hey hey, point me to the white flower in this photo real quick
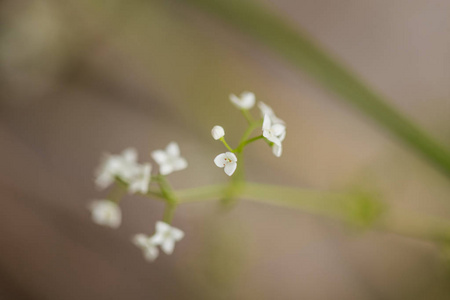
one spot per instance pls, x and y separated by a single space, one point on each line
147 245
106 213
273 132
169 160
122 166
267 110
166 236
217 132
245 101
228 161
140 179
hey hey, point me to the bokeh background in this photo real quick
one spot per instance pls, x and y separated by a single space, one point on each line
80 78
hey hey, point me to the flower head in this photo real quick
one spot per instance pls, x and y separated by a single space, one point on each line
106 213
267 110
147 245
170 159
140 179
275 133
228 161
217 132
116 165
166 236
245 101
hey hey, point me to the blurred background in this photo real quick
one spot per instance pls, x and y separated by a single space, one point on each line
80 78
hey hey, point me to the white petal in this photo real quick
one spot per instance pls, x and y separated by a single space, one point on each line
180 164
277 150
162 227
173 149
235 100
140 240
166 169
278 129
247 100
274 140
130 155
177 234
151 253
267 123
158 238
265 109
231 156
220 160
217 132
159 156
230 168
167 246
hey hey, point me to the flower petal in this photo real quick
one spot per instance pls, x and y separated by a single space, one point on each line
151 253
278 129
129 155
231 156
167 246
277 150
159 156
166 169
179 164
140 240
220 160
177 234
230 168
267 123
173 149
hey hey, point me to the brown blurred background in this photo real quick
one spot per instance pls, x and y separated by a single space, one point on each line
79 78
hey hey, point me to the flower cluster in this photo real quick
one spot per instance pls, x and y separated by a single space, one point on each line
165 237
124 169
273 130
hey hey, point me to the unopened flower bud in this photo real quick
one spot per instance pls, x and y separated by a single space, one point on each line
217 132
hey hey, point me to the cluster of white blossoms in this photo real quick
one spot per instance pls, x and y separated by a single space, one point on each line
273 130
165 237
137 177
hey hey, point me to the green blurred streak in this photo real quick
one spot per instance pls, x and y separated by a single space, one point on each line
302 53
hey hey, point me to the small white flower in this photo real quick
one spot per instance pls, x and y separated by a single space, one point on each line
170 159
140 180
228 161
106 213
147 245
273 132
122 166
166 236
245 101
267 110
217 132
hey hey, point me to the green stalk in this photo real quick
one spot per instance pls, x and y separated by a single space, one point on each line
301 52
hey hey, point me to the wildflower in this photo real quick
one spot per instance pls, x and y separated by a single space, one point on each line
140 179
217 132
267 110
228 161
275 133
170 159
147 245
166 236
245 101
122 166
106 213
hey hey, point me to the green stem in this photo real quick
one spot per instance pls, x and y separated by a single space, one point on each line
247 116
222 139
169 212
245 143
326 204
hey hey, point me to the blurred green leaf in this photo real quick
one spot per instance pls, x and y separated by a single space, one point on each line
301 52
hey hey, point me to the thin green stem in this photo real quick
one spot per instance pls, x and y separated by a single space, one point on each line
245 143
169 212
247 116
222 139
